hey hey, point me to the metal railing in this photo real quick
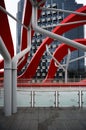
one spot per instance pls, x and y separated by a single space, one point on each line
49 97
55 80
35 80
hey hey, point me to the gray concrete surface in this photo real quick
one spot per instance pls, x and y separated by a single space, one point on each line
44 119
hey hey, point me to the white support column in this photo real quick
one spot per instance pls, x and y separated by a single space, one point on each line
14 71
14 88
7 89
7 78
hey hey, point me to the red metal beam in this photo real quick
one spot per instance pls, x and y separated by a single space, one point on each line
31 70
27 13
59 54
5 32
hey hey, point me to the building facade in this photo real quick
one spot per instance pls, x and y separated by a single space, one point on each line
49 21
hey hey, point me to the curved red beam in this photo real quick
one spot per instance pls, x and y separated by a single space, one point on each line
27 13
5 32
26 19
59 54
24 32
31 70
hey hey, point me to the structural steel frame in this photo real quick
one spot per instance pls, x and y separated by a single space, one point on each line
31 10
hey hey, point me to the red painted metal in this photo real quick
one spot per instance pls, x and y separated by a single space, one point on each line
31 70
26 83
49 84
26 21
5 32
59 54
29 73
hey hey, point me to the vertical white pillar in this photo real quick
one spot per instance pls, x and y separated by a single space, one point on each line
7 78
7 89
14 89
14 71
